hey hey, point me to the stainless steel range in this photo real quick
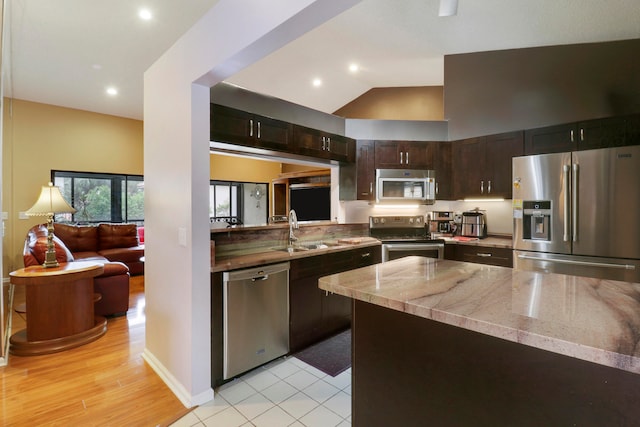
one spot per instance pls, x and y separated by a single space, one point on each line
404 236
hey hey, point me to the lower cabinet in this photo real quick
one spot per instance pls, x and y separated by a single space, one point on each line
502 257
313 313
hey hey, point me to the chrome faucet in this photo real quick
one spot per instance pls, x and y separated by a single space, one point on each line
293 223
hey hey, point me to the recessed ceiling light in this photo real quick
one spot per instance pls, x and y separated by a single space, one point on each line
145 14
112 91
317 82
354 68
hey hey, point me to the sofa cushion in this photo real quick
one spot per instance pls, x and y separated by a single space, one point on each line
40 246
89 256
117 236
126 255
78 238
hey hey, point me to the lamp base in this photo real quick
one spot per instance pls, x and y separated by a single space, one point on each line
50 256
50 259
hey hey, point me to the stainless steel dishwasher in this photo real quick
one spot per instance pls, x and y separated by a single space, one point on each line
256 317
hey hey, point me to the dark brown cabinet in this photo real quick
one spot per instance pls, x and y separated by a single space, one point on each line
405 154
239 127
479 254
444 185
314 313
483 165
366 170
316 143
585 135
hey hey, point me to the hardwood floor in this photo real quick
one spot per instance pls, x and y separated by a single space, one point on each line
103 383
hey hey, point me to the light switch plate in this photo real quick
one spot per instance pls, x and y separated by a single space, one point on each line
5 216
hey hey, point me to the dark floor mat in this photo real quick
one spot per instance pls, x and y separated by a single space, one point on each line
332 356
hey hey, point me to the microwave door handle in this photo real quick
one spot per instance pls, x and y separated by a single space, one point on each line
567 201
574 202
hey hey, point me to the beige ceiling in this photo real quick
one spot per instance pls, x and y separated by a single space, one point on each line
67 52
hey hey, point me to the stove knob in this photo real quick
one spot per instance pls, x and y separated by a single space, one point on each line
382 220
418 220
410 220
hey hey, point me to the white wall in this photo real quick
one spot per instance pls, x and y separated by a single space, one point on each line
232 35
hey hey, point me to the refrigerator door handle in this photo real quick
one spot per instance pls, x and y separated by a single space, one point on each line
574 200
575 262
567 200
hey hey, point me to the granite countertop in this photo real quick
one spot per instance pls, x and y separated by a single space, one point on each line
590 319
260 256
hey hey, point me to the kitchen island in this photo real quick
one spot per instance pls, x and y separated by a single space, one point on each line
439 342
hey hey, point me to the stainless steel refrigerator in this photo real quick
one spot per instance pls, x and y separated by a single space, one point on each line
578 213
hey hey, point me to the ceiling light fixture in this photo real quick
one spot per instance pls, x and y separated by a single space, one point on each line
145 14
448 8
354 68
112 91
317 82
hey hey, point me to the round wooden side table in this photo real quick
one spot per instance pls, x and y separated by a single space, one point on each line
59 305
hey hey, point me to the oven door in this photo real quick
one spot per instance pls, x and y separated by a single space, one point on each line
398 250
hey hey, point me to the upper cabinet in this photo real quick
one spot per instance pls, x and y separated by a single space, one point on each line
585 135
482 166
316 143
444 184
405 154
234 126
239 127
366 170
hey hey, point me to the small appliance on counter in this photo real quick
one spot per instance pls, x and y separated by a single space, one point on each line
474 224
441 224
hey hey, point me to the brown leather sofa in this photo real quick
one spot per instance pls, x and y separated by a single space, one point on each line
93 243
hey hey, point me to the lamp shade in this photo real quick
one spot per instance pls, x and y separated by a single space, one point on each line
50 202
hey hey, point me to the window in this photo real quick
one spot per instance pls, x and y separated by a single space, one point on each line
101 197
238 202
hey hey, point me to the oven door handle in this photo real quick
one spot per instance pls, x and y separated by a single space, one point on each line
414 246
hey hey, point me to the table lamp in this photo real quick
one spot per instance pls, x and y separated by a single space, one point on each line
49 203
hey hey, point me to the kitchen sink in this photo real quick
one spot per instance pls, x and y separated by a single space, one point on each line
302 247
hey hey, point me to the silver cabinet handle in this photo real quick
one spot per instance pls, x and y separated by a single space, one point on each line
567 206
572 140
407 153
401 157
328 143
371 187
258 130
484 255
581 135
574 201
436 188
366 255
481 187
489 188
324 146
251 127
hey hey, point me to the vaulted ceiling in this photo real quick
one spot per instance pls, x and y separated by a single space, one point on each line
68 53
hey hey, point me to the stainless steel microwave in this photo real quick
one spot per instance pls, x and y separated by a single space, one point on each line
405 186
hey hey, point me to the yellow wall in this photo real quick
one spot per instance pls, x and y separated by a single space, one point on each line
38 138
397 103
231 168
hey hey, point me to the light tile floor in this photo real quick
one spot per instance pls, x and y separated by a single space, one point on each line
285 392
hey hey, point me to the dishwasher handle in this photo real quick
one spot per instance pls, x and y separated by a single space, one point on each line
255 274
260 278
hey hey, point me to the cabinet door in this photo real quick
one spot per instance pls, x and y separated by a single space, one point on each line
499 150
310 142
229 125
418 154
444 185
552 139
340 148
366 170
271 133
468 167
387 155
305 311
601 133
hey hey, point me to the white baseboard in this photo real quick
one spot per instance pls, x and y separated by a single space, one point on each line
176 387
